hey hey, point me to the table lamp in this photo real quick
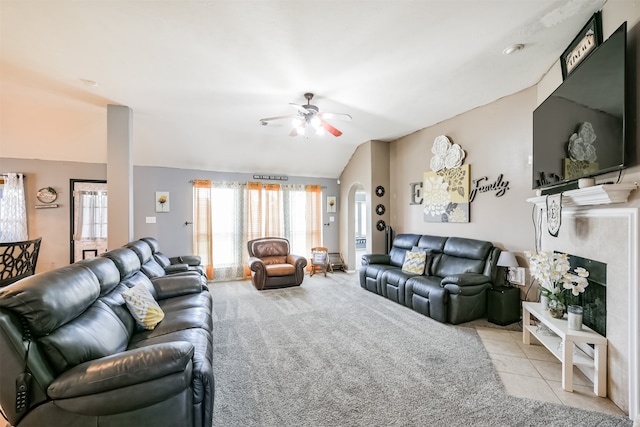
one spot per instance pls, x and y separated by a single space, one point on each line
509 261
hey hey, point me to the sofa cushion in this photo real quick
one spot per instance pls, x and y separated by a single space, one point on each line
143 307
401 244
106 272
126 260
96 333
51 299
414 262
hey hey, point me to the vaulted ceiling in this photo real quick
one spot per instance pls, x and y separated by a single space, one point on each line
199 75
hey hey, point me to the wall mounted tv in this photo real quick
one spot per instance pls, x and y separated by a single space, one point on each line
579 130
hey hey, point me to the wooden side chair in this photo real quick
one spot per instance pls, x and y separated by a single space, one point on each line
319 260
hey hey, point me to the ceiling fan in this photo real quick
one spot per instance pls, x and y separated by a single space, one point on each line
309 119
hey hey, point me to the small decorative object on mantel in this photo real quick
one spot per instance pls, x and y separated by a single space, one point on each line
162 201
446 186
557 283
582 46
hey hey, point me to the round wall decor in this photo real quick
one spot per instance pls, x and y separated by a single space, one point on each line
379 191
380 209
380 225
47 195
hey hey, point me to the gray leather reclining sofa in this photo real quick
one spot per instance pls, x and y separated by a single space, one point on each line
90 364
453 287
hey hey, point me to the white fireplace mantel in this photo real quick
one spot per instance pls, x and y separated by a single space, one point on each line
591 196
579 206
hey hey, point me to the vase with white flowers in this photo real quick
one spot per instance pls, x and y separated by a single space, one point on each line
552 271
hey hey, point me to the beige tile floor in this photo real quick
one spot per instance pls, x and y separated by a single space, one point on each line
531 371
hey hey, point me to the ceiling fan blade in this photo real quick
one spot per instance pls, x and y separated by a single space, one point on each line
335 116
268 119
333 131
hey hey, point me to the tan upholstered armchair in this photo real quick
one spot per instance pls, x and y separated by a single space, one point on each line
272 265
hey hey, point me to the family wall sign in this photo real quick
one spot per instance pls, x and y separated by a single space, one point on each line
481 185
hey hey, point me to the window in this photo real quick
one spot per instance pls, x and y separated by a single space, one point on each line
228 215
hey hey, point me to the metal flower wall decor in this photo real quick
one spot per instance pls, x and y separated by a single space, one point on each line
446 186
582 152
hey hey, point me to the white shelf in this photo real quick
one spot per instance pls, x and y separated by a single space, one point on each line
552 343
597 195
562 346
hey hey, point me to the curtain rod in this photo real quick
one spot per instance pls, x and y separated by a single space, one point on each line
322 186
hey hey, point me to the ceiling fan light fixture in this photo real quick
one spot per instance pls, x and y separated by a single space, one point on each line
316 122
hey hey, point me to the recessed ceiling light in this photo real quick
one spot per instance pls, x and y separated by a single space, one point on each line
513 49
88 82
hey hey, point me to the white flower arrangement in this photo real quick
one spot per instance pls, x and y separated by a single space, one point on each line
551 270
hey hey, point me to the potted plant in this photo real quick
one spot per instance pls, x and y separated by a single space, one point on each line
557 283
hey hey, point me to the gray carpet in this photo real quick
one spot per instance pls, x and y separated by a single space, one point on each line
329 353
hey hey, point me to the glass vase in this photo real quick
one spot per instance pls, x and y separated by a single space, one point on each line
556 308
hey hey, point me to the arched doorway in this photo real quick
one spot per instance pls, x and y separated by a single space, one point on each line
358 240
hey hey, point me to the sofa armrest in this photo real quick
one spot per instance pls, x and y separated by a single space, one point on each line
177 285
192 260
256 264
376 259
176 268
465 279
297 260
122 370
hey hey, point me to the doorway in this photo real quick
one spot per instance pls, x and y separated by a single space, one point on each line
88 217
360 225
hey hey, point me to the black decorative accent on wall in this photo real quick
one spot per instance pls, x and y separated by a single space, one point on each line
379 191
380 225
380 209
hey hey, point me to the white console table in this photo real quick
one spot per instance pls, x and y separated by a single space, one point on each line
565 352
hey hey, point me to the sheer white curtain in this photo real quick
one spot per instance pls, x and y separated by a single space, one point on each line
92 216
13 210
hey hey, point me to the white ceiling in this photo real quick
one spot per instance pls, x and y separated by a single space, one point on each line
199 75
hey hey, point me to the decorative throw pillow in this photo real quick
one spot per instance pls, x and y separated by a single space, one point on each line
319 258
429 260
142 306
414 262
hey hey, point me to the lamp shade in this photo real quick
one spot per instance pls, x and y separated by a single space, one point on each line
507 259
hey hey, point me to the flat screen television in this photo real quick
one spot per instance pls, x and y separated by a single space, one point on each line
579 130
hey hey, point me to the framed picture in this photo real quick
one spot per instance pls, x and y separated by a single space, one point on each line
162 201
331 204
582 46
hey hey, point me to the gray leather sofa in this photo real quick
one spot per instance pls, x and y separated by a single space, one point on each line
90 363
454 285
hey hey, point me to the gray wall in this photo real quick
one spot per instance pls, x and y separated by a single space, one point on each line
170 228
175 238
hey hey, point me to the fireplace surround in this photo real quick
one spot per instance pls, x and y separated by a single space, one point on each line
607 233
